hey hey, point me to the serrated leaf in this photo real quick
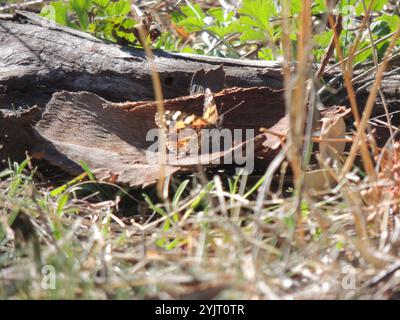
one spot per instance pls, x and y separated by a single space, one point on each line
251 35
119 8
217 13
192 24
257 13
194 10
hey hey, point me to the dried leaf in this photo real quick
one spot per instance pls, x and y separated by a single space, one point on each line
318 181
333 132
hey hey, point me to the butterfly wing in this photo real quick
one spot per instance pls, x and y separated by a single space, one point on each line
175 125
210 112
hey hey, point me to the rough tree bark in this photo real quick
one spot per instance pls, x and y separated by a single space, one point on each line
35 58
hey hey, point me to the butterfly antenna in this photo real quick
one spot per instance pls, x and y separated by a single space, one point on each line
233 108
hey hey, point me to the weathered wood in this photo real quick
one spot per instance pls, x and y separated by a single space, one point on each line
39 58
16 136
111 138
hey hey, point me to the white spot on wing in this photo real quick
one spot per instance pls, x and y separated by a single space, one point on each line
176 115
189 119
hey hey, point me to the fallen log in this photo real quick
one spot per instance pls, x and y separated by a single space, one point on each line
41 61
38 60
71 76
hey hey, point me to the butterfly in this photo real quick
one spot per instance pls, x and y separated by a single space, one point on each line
175 125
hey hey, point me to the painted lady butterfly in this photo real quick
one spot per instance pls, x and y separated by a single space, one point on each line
175 125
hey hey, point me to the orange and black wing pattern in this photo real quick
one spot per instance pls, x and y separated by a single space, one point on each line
174 125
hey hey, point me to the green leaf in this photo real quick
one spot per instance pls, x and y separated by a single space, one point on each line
322 39
318 6
256 13
194 20
249 34
290 222
193 10
295 6
172 244
22 166
162 242
381 48
377 5
266 54
223 22
189 49
101 3
192 24
58 12
380 28
119 8
177 16
393 21
339 245
305 209
81 9
217 13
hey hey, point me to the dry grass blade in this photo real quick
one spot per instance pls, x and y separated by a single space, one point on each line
160 109
359 140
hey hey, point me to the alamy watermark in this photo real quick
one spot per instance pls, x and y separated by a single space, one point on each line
349 279
209 146
49 277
